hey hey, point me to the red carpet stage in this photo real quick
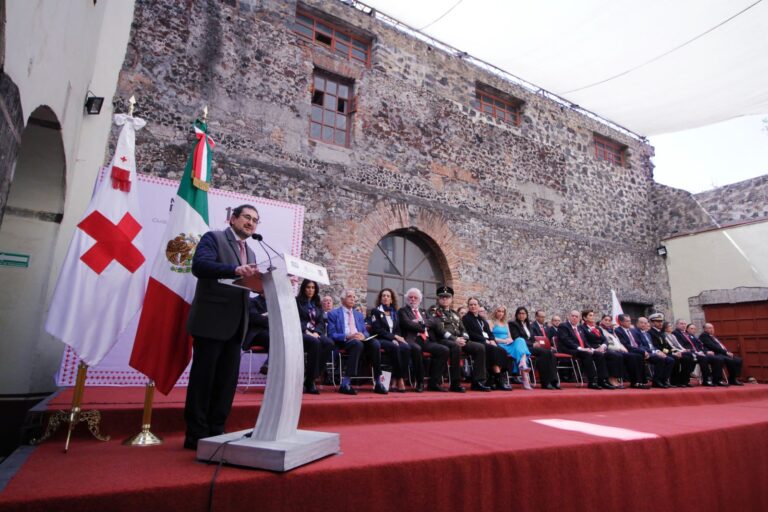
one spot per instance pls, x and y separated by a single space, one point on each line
698 449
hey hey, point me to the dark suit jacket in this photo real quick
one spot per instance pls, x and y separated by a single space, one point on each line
646 345
516 331
336 324
217 309
536 330
552 332
380 326
712 345
567 341
624 339
593 340
409 326
305 316
659 342
475 326
258 323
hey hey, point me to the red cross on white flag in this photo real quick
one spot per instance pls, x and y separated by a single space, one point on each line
101 284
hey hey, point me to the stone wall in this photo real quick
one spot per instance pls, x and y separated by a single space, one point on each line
743 201
521 214
680 212
11 128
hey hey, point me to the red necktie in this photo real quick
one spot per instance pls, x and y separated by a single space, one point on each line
578 336
544 332
631 338
243 254
417 316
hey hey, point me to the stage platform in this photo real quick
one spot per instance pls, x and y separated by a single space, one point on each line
698 449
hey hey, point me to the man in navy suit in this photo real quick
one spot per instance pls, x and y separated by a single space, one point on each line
346 327
732 362
630 338
571 341
218 321
662 364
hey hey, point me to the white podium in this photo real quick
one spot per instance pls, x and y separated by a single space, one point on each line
275 443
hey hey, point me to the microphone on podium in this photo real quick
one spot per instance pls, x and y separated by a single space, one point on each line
264 246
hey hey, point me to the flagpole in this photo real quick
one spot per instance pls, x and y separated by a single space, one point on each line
75 415
145 437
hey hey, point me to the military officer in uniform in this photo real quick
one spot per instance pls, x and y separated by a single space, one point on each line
449 330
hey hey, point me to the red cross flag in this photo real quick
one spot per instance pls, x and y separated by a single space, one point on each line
101 284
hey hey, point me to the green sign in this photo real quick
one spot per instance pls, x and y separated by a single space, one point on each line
9 259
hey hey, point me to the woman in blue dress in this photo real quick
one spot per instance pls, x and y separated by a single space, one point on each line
516 348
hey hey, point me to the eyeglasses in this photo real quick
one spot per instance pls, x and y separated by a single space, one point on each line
247 217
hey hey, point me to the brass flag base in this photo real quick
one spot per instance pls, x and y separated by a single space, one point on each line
145 437
73 417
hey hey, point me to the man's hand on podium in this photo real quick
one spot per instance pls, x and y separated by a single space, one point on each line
246 270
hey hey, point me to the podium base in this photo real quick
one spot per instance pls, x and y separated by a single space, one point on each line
301 448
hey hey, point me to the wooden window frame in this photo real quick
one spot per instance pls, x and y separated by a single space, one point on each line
340 42
325 112
501 108
610 150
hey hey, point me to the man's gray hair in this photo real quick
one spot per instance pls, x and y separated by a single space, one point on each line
416 291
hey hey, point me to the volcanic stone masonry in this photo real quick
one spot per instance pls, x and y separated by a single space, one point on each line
518 214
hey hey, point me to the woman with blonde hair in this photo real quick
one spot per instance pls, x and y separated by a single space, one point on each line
516 348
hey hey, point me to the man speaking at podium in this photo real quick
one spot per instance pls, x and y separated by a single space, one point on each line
218 321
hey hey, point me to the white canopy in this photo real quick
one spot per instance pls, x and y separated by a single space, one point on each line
654 67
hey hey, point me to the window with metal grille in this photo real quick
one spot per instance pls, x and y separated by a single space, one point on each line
339 41
500 108
607 149
332 107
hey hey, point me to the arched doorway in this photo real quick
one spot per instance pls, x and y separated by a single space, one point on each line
28 233
401 260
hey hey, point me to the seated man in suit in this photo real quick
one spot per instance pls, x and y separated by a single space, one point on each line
554 324
346 327
662 363
570 341
732 362
630 338
420 334
709 363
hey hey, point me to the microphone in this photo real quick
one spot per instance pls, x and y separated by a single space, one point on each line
259 239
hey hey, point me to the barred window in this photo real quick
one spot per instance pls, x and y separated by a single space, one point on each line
332 107
328 35
500 108
607 149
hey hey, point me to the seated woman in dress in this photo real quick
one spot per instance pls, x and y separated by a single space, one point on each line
634 363
317 346
546 362
480 331
385 324
515 346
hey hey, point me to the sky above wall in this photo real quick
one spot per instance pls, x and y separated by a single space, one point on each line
692 75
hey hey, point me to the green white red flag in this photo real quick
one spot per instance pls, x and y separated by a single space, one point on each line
163 347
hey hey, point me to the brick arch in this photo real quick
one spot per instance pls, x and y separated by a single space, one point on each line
350 261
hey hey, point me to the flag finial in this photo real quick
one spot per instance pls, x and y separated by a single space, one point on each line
205 114
131 104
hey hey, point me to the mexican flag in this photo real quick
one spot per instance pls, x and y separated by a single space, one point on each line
163 347
101 284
